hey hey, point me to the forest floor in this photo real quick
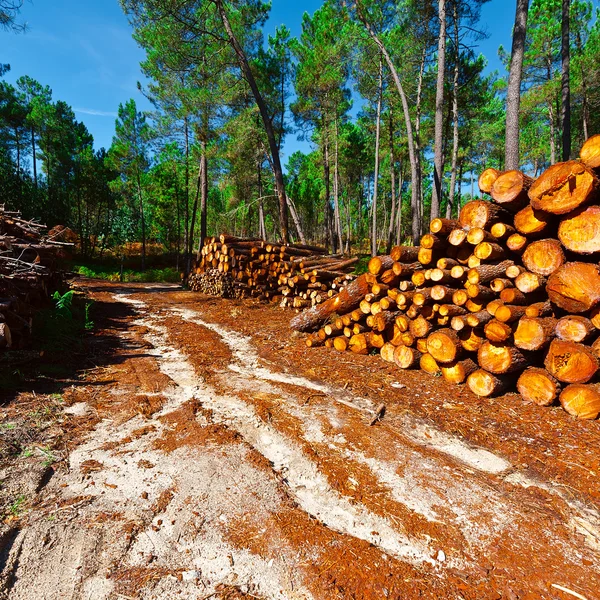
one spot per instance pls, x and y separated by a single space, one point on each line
198 449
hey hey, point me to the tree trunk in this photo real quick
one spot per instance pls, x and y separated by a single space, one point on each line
336 190
436 193
143 219
513 93
262 233
417 207
566 84
264 113
414 161
393 186
450 205
376 177
34 159
329 236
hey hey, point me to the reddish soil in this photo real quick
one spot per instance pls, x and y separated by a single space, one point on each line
293 479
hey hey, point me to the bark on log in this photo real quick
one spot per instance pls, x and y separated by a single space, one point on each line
428 364
538 386
574 328
405 357
478 213
563 187
444 345
590 152
582 401
485 273
347 300
487 179
443 227
580 230
489 251
500 358
458 371
501 231
404 254
485 385
570 362
378 264
539 309
544 257
508 313
510 190
534 334
575 287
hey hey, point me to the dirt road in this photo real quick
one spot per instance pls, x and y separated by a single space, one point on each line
214 456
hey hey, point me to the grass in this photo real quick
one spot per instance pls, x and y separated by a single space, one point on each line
166 275
17 507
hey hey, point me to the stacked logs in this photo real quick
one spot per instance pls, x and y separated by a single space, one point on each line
507 295
295 275
28 273
215 283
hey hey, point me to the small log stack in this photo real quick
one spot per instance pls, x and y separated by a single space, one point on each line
507 295
295 275
28 273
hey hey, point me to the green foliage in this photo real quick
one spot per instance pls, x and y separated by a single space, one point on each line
166 275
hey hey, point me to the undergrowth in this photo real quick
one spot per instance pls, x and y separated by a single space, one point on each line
166 275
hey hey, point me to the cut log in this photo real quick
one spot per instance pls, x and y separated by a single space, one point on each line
493 306
429 364
485 385
563 187
534 333
347 300
477 235
574 328
570 362
433 242
499 284
443 227
500 358
513 296
489 251
458 372
497 331
528 283
457 237
387 352
580 230
404 254
517 243
471 339
312 341
539 309
458 323
420 327
478 213
340 343
487 272
575 287
361 343
544 257
501 231
487 179
582 401
478 319
510 190
590 152
384 319
507 313
405 357
538 386
531 222
378 264
451 310
444 345
595 317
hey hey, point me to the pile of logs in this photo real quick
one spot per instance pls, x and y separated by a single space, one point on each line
215 283
28 274
507 295
295 275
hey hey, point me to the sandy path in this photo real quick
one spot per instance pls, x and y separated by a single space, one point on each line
251 480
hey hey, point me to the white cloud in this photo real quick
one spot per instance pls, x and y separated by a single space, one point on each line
96 113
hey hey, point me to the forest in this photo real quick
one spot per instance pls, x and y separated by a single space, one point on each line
393 96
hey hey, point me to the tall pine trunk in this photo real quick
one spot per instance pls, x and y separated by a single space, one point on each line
329 237
417 207
262 231
336 190
413 158
34 159
438 160
390 239
376 178
450 206
513 93
268 124
566 84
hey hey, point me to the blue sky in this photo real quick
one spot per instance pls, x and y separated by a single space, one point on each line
84 51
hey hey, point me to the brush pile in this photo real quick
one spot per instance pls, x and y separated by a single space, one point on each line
295 275
28 274
507 295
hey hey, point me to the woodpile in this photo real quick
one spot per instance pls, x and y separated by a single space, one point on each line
28 273
295 275
505 297
215 283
